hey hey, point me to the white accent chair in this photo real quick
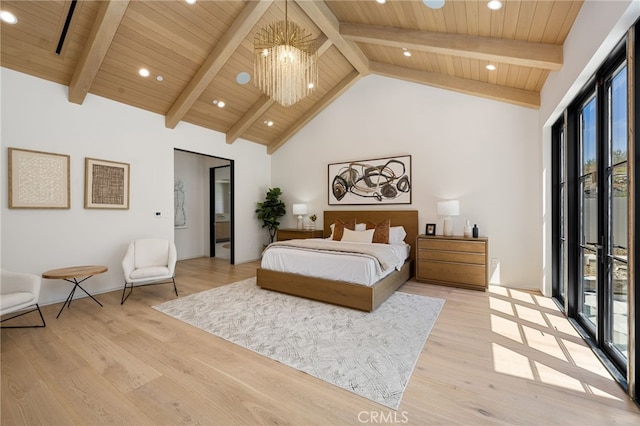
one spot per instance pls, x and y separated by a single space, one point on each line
149 261
19 291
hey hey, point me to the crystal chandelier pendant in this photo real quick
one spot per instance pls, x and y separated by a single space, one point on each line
285 66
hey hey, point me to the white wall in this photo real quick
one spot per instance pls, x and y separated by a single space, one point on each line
599 27
482 152
36 115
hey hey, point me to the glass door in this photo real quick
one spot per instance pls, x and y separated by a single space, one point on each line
590 242
602 195
615 251
593 152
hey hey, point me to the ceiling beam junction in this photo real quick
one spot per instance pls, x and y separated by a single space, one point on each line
322 16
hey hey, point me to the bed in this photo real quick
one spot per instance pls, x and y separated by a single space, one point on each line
343 293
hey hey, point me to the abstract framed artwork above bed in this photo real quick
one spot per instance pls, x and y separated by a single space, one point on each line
341 292
371 182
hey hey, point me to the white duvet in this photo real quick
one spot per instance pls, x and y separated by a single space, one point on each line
334 265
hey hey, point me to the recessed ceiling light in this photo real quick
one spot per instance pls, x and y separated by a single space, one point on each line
220 104
159 78
491 67
406 52
243 77
8 17
494 5
144 72
190 1
381 1
311 86
433 4
268 123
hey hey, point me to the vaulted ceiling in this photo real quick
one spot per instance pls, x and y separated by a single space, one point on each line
194 53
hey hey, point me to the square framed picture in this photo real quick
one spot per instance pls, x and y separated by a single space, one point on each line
430 229
106 184
38 180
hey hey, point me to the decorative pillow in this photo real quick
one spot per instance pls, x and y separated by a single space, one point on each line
381 231
359 227
340 226
358 236
397 234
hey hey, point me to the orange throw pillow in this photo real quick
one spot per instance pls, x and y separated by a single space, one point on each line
381 233
338 228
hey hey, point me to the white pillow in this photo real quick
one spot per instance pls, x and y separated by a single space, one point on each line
397 234
358 236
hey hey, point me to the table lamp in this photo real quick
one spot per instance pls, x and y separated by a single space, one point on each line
300 210
448 208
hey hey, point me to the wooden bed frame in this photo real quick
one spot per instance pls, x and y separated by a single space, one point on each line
342 293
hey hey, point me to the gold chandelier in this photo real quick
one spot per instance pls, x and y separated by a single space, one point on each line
286 66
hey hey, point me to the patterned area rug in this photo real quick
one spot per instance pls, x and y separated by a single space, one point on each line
370 354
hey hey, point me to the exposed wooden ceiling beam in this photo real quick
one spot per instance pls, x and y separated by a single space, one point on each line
265 102
251 116
520 97
220 54
322 16
538 55
102 33
310 114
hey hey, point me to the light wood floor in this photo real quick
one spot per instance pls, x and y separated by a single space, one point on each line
503 357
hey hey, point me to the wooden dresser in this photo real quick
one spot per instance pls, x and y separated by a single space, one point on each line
454 261
295 234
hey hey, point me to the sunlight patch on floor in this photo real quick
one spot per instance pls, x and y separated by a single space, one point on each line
530 315
544 342
506 328
510 362
501 305
540 343
554 377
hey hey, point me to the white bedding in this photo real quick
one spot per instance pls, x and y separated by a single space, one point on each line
357 269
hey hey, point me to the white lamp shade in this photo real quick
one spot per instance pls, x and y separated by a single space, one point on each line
448 208
299 209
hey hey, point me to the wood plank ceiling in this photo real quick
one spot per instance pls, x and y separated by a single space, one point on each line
194 53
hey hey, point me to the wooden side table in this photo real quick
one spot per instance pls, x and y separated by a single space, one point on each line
454 261
72 274
296 234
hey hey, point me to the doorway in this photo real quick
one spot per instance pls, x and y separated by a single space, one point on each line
195 197
221 212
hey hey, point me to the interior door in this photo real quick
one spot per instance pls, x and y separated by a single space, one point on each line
221 211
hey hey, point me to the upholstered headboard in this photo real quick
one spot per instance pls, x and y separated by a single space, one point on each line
406 218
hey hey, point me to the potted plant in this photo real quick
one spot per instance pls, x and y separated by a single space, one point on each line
270 210
313 219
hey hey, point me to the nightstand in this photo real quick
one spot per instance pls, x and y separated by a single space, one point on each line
453 261
297 234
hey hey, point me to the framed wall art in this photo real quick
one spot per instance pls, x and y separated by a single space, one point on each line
376 181
106 184
38 180
430 229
